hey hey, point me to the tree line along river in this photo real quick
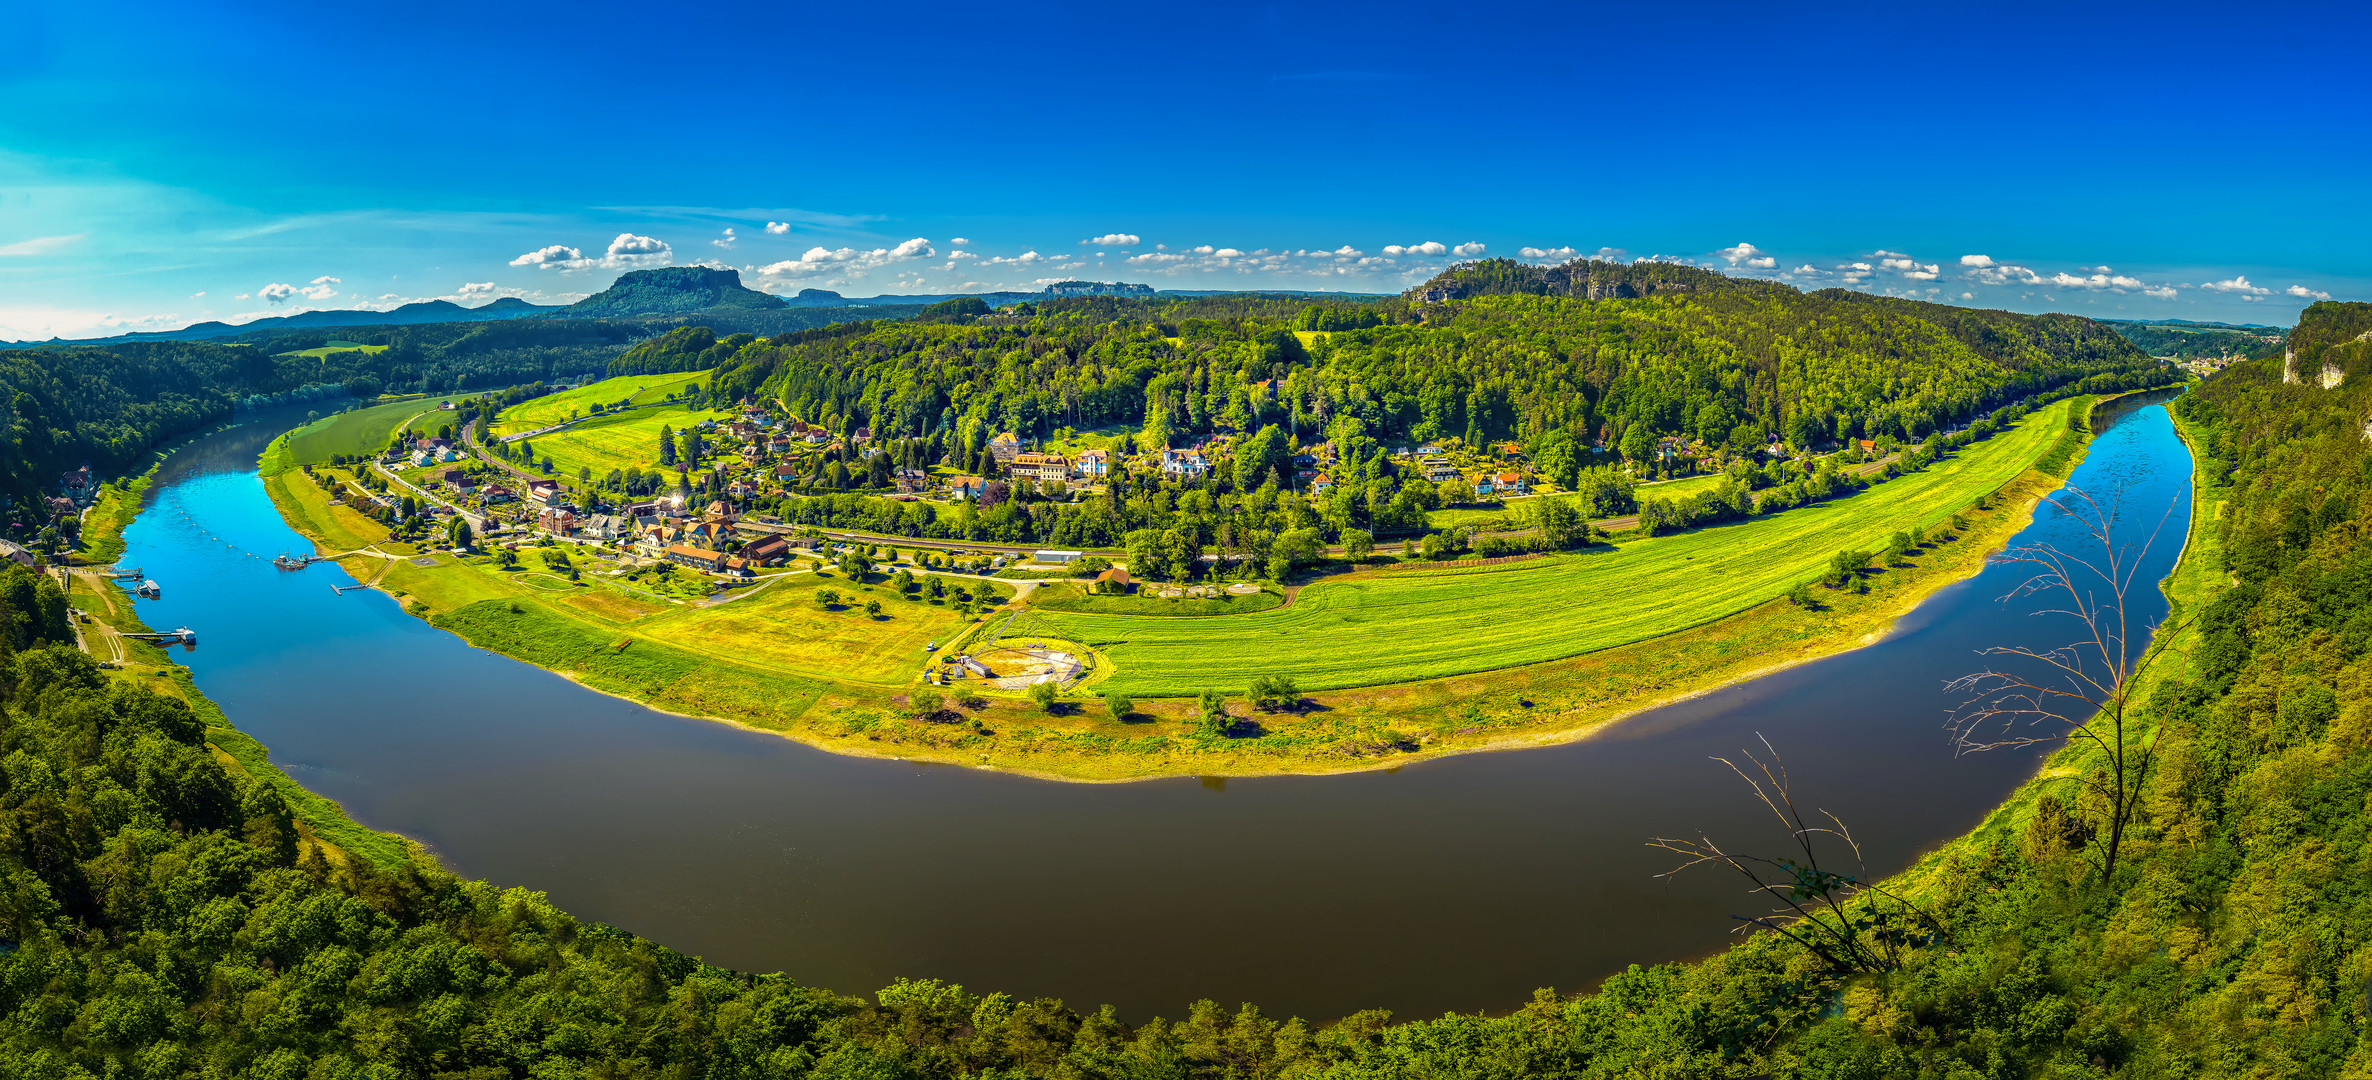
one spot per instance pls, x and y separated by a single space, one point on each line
1460 883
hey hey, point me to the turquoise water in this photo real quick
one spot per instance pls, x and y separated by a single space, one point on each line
1454 884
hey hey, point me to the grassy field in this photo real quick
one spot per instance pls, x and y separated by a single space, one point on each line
307 507
1406 626
1067 597
553 408
783 627
616 441
360 431
337 347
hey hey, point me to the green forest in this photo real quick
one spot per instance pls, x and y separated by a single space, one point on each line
2190 341
162 915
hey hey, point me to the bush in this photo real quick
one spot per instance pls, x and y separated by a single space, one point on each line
826 598
1120 705
1043 693
1274 692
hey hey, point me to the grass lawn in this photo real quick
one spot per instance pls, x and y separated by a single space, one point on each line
1066 597
1681 488
308 508
1404 626
337 347
553 408
619 441
361 431
783 627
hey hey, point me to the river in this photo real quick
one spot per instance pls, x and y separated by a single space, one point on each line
1460 884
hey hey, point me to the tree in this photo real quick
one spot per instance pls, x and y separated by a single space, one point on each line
458 532
826 597
1274 692
1845 568
1357 544
1294 549
1559 458
873 608
1258 457
1213 718
925 703
2080 692
1561 525
1120 705
1044 693
1637 444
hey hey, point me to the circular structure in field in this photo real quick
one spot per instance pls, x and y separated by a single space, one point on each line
1020 664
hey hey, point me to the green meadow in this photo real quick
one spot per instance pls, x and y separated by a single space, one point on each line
1403 626
361 431
612 440
608 393
324 351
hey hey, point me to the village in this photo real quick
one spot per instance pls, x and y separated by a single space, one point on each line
718 522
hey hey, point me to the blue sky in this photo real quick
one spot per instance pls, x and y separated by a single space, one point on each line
166 163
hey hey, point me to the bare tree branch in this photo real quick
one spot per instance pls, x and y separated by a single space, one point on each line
2080 692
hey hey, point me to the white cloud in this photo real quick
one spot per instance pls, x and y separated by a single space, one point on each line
1228 253
198 294
630 249
2299 291
1559 254
318 291
1976 261
2238 284
325 279
555 257
1118 239
1747 255
848 262
1469 249
1928 272
2162 292
958 241
474 288
1429 247
1348 252
725 241
276 293
40 245
241 296
777 228
1156 258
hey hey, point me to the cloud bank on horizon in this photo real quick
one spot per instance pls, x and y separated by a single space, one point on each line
561 271
1306 151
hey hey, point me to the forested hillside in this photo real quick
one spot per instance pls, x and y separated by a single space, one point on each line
2188 340
108 406
1729 362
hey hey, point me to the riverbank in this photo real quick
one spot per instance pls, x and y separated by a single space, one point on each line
321 822
1519 706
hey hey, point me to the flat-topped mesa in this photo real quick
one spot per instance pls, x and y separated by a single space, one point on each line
671 290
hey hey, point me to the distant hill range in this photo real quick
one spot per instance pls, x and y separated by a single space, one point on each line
670 293
427 311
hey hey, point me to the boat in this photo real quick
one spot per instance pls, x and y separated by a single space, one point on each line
150 589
